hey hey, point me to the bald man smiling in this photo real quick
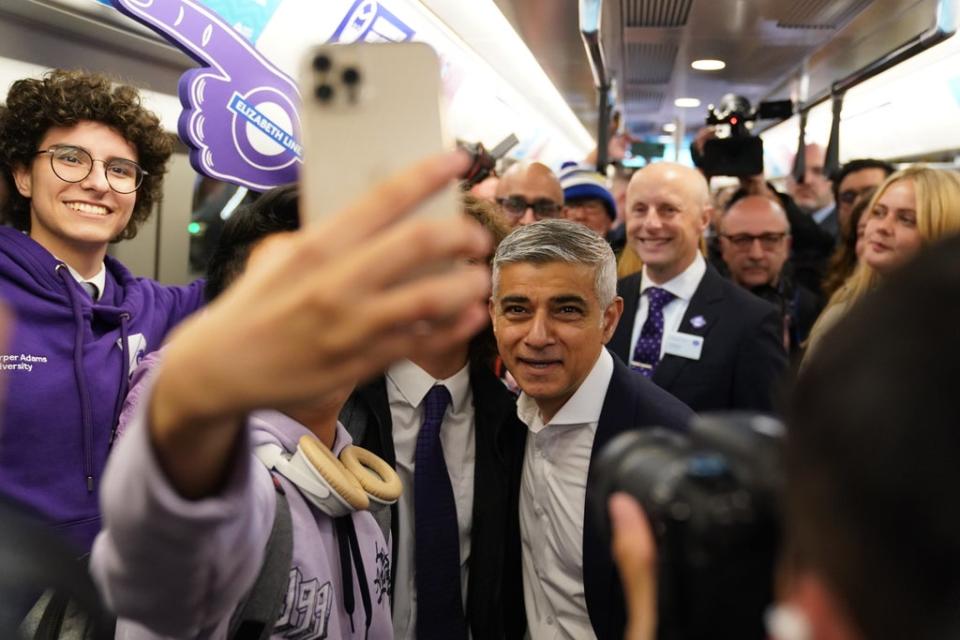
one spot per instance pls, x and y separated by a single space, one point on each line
708 342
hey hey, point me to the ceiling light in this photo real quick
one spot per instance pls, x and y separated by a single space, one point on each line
687 103
708 65
670 127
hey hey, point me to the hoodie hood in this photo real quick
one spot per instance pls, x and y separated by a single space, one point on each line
34 269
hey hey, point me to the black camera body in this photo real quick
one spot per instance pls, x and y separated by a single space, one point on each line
740 153
712 498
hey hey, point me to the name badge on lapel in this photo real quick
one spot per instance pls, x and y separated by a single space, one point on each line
684 345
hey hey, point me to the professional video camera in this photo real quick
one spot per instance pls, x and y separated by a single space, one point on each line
735 151
712 497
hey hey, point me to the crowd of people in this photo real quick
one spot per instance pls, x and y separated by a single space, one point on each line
318 442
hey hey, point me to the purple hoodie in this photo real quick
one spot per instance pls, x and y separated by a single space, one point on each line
176 568
66 370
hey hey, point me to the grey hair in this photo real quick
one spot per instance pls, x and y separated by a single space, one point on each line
557 240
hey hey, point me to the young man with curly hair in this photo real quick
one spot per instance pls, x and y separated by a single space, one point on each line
83 163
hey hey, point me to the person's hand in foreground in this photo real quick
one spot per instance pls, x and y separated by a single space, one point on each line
338 300
635 554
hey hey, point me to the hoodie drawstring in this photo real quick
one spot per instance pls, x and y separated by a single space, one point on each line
124 376
85 411
349 546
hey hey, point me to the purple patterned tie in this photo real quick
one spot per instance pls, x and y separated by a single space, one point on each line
646 355
436 533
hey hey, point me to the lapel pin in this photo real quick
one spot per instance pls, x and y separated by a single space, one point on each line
698 322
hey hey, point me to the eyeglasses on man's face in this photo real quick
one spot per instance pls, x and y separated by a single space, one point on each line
850 196
586 207
743 241
543 208
74 164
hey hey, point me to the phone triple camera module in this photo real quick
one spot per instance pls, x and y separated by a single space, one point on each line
349 77
324 92
322 63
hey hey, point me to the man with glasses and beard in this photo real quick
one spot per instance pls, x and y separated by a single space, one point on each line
854 179
755 245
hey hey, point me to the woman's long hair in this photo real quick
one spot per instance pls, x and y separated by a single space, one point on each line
938 214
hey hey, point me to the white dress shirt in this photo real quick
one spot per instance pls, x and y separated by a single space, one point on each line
99 280
552 496
407 386
682 287
822 213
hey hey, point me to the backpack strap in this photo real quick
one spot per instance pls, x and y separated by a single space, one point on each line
255 617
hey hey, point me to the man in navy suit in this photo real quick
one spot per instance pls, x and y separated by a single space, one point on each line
554 307
705 340
481 440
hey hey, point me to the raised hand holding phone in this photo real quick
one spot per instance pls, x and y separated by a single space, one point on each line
335 301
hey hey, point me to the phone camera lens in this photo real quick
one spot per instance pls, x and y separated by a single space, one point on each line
324 92
351 76
322 63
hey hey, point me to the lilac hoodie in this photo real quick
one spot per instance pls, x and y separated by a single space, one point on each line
66 369
170 567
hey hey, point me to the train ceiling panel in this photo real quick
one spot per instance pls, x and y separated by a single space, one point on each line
819 14
643 101
656 13
649 45
650 62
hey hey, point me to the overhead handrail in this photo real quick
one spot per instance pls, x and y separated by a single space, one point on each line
946 25
590 19
800 160
948 15
832 161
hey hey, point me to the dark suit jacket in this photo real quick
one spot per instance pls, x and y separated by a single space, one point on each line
494 587
742 358
632 402
831 224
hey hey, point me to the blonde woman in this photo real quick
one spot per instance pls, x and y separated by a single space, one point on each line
913 207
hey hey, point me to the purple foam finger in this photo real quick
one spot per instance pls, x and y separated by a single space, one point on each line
240 114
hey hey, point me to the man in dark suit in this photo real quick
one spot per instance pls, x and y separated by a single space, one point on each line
554 307
469 579
755 242
492 583
705 340
814 192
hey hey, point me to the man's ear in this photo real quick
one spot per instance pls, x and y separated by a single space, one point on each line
707 217
611 317
23 180
492 309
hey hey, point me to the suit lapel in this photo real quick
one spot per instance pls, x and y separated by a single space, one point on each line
490 498
378 438
704 308
629 290
618 414
379 434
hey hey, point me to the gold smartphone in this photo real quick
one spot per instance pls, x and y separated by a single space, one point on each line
369 109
